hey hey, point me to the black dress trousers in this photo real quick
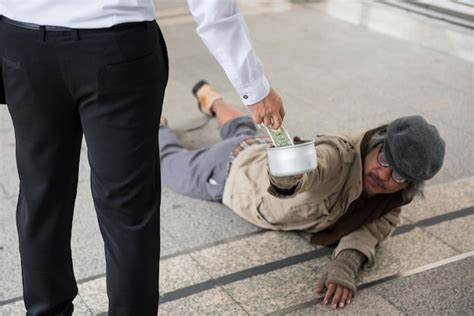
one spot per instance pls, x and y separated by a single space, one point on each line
2 89
108 85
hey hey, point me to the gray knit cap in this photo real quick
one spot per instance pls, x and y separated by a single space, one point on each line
414 148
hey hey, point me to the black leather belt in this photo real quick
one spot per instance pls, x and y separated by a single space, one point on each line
34 27
52 28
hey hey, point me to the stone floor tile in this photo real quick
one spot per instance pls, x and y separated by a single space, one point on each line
406 251
10 271
441 199
364 303
446 290
458 233
251 251
94 295
197 223
212 302
277 289
168 244
179 272
18 308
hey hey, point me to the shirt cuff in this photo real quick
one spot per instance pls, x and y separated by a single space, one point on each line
255 92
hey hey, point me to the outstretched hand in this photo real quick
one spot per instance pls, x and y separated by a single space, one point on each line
338 279
269 110
340 295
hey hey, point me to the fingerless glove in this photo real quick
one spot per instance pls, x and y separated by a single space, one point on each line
343 269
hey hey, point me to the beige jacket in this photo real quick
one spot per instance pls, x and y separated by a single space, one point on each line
320 199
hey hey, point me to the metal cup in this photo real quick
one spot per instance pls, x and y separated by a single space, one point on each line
292 160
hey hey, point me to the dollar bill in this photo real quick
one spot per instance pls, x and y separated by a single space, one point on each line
280 137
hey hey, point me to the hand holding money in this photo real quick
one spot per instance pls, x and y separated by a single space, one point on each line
269 110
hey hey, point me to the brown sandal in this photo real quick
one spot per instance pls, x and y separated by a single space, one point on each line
206 96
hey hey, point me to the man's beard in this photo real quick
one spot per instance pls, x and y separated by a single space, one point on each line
379 183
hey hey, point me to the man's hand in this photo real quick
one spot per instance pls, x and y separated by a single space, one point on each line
339 278
341 296
269 111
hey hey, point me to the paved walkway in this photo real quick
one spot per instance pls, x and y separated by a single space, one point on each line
340 66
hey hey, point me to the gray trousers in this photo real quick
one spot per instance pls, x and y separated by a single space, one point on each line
201 173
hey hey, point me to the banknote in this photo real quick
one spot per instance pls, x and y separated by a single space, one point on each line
280 137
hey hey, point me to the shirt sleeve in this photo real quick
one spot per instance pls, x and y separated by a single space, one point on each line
223 30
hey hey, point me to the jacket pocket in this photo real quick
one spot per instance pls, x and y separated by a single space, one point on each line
10 63
13 79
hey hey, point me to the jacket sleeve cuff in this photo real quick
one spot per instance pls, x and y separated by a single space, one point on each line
284 187
283 193
367 249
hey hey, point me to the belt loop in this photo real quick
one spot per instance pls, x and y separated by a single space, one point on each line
149 27
75 34
42 33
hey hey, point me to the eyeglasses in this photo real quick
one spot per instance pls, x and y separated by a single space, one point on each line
384 163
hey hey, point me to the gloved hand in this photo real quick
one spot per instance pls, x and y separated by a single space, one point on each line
339 278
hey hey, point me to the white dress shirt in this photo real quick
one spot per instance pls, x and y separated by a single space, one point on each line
80 14
220 26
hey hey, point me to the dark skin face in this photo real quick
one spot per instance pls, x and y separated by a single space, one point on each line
376 180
